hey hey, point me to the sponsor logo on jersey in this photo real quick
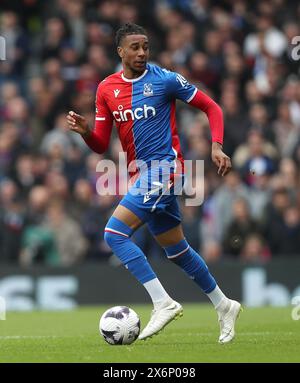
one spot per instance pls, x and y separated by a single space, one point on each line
133 114
116 92
158 187
148 90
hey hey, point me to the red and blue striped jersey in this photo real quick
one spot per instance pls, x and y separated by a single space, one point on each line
143 110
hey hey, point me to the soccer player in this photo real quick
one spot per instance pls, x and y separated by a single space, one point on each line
140 100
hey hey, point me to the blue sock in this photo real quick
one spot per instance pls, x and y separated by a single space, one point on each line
192 263
117 236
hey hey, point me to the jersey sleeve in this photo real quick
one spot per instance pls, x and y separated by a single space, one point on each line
178 87
102 111
99 139
214 114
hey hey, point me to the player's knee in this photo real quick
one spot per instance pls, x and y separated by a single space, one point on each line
116 232
113 239
174 251
108 238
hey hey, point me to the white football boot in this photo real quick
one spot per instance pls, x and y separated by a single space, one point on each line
228 312
160 317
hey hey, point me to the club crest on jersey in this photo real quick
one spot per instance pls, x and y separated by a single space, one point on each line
148 90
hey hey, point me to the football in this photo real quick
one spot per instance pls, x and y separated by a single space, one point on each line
120 325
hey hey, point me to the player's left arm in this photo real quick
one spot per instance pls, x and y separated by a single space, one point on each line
177 86
216 122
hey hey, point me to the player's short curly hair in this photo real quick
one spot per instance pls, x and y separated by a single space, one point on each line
129 29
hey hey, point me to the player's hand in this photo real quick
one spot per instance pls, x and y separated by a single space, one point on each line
222 161
78 124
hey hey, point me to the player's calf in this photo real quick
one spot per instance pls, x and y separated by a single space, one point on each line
117 236
194 265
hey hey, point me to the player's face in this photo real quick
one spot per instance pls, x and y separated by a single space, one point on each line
134 52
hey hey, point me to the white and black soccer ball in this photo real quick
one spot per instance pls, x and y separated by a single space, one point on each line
120 325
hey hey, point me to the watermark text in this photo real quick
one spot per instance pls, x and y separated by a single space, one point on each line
2 48
154 178
296 310
296 50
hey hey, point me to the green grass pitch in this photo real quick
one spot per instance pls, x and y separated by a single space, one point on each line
263 335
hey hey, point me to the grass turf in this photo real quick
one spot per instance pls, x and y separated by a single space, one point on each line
263 335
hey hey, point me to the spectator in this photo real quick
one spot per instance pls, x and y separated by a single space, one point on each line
241 226
38 247
255 250
211 251
24 174
71 244
286 133
191 225
273 220
56 35
17 46
12 220
236 126
223 200
38 201
289 240
267 38
256 156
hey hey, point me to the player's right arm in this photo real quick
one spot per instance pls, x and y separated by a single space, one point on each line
98 138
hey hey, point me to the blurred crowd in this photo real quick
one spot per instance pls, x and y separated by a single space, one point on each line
238 52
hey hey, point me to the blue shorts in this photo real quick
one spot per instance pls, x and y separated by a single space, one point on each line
153 198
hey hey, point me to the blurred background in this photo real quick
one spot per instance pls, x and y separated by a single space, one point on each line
238 52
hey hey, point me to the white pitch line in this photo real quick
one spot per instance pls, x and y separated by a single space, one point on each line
28 336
